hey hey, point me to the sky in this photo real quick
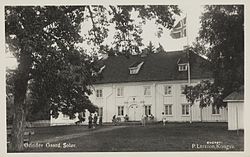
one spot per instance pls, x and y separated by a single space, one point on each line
193 13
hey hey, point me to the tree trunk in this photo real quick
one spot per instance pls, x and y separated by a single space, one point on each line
201 113
19 115
191 118
17 132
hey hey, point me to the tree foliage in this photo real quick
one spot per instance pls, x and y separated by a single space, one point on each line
223 29
205 92
160 48
221 40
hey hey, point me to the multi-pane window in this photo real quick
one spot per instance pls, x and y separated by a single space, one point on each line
215 109
133 71
100 111
120 110
147 90
99 93
148 110
168 90
182 67
168 109
120 91
185 109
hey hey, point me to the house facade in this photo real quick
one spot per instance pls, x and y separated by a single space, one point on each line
151 85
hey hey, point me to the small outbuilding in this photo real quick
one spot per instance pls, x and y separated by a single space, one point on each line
235 103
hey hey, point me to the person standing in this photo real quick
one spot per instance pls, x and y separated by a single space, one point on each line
126 118
114 119
90 120
143 120
95 121
164 119
100 120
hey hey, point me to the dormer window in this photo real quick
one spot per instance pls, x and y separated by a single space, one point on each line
182 67
101 69
135 68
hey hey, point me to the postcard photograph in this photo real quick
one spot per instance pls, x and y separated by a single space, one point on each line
124 78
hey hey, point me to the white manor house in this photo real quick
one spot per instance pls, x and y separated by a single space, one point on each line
138 85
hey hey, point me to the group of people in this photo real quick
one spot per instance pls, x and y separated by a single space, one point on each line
146 118
93 121
116 120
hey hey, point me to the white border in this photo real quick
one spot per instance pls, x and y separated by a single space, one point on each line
3 148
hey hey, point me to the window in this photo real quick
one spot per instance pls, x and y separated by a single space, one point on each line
135 68
168 90
215 109
168 109
182 88
147 90
120 110
185 109
133 71
148 110
182 67
120 91
99 93
100 111
185 33
101 69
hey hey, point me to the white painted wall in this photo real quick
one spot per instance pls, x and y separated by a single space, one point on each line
134 94
233 116
64 120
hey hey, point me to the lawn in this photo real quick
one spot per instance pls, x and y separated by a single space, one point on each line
172 137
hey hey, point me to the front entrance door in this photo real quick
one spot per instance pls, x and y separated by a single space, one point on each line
134 113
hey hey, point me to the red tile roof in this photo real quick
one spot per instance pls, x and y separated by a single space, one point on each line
160 66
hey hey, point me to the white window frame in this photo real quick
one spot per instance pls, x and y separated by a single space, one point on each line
148 109
99 93
136 69
133 71
182 67
185 108
217 110
145 91
166 89
170 108
120 110
119 91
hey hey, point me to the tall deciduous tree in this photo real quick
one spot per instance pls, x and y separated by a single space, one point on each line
222 34
44 40
204 92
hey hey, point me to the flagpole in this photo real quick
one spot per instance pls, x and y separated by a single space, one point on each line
189 79
188 65
187 30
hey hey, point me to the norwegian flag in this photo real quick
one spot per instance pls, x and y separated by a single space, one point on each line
179 30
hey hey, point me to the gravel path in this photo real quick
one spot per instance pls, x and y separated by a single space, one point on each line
71 136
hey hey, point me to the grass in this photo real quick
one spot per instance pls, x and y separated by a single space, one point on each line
172 137
43 133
